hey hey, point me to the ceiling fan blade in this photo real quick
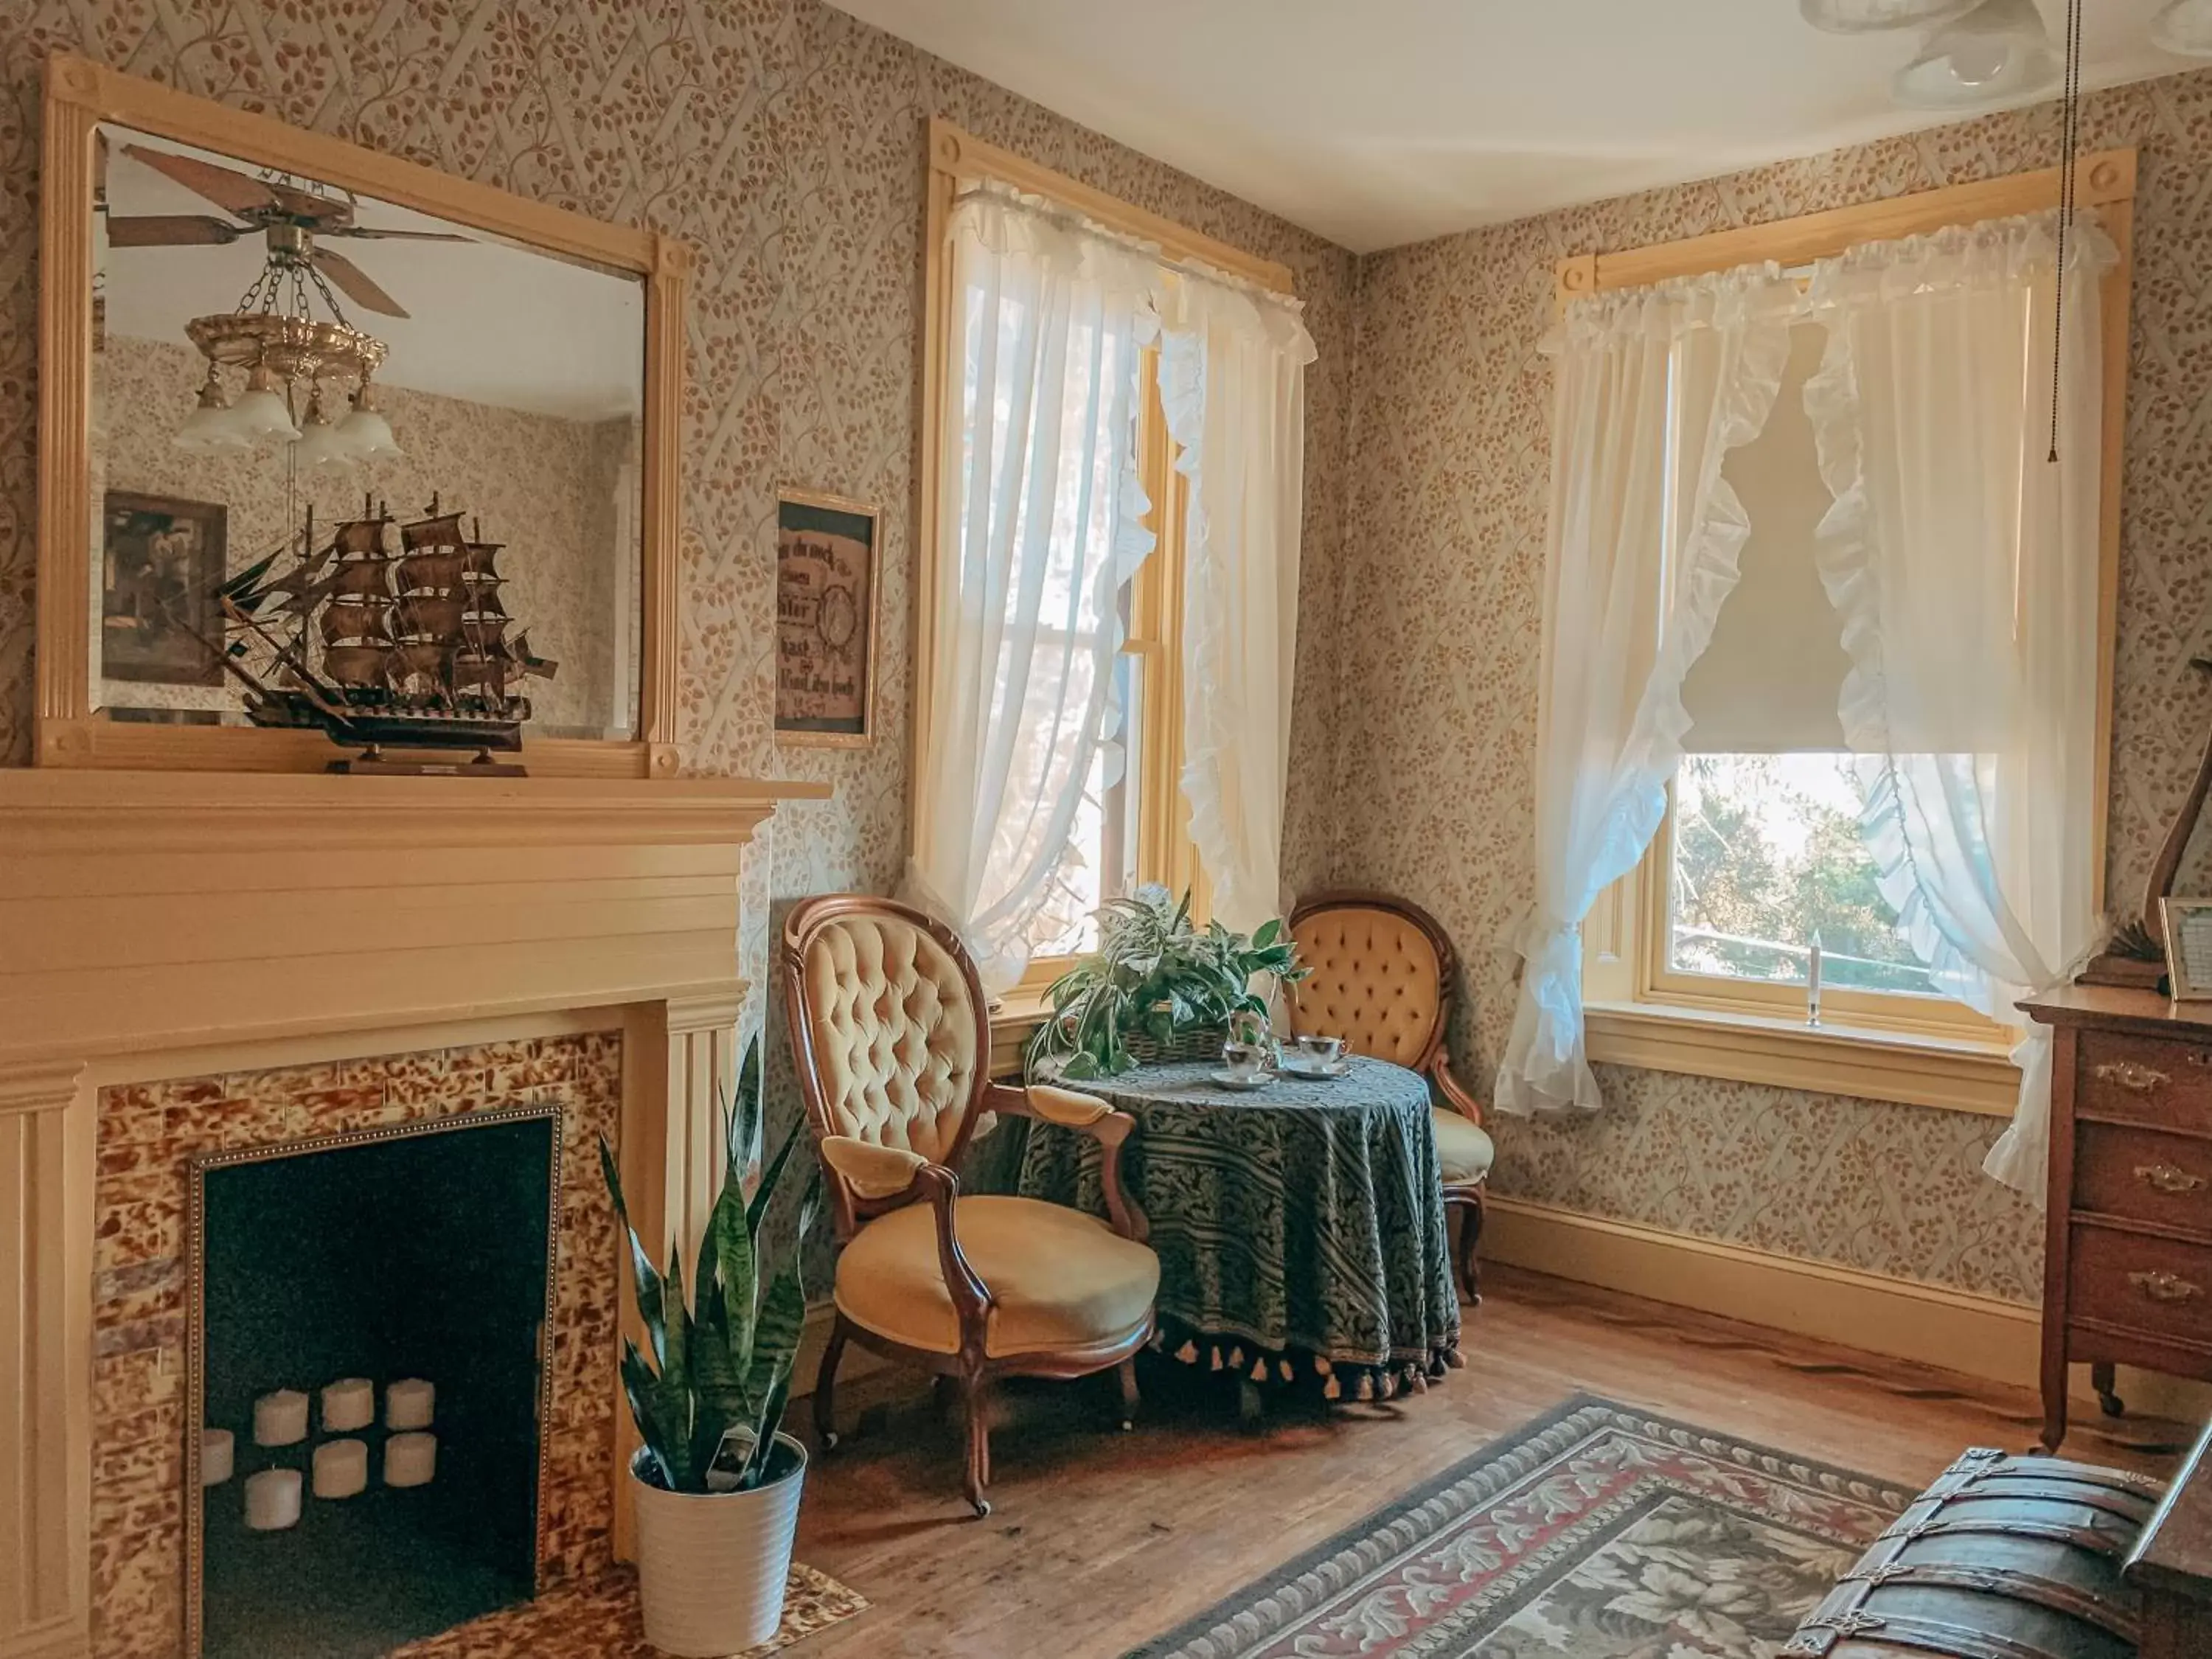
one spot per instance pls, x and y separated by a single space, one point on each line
370 234
172 230
237 191
356 282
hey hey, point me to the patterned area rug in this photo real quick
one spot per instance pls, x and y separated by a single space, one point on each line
601 1621
1597 1532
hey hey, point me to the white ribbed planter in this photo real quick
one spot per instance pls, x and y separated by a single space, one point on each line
712 1568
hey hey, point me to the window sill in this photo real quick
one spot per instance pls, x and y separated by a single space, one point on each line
1954 1075
1020 1013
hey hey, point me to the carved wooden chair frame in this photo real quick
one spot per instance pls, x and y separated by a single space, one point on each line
1433 1063
937 1185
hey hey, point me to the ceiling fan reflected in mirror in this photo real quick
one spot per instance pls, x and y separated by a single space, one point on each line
273 333
1992 52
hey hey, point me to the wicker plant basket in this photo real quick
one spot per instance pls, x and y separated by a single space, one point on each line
1201 1042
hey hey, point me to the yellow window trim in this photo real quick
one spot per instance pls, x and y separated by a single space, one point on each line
1918 1050
1165 851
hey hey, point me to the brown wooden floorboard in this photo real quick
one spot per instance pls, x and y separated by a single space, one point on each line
1100 1540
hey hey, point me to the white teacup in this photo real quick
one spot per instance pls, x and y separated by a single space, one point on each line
1316 1052
1244 1059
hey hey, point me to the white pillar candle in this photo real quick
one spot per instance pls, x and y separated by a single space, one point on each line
349 1404
215 1451
272 1500
409 1460
280 1419
409 1403
341 1468
1812 983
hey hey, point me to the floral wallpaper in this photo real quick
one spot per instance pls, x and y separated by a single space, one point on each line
1435 729
544 486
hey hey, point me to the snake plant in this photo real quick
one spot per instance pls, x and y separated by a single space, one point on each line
1157 972
710 1399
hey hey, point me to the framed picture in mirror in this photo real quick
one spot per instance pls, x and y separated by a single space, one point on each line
340 450
826 555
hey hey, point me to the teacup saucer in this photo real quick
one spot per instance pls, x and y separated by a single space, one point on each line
1241 1082
1306 1073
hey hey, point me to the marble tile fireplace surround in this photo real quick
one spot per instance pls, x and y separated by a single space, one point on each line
194 962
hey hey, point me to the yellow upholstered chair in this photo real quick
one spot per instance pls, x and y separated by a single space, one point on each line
1381 973
892 1038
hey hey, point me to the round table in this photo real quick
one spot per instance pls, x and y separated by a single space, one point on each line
1300 1227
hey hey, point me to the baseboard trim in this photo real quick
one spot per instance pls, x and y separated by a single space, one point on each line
1979 1336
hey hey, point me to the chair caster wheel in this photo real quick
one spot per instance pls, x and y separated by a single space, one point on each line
830 1441
2113 1404
982 1507
1129 1425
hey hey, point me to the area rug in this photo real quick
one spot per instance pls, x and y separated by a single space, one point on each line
1596 1532
602 1621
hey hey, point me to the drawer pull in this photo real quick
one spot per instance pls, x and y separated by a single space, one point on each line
2135 1078
2166 1178
2165 1286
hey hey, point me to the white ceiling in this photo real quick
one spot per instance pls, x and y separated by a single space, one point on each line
1378 122
488 321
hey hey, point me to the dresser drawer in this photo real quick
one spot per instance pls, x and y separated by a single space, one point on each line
2140 1282
2161 1084
2141 1174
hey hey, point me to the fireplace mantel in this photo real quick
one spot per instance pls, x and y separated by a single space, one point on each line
150 920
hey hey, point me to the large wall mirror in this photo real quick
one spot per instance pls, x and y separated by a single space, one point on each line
336 447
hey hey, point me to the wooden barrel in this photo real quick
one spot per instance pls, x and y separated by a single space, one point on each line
2003 1558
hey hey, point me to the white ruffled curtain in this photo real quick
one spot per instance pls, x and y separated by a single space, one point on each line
1652 389
1965 563
1232 385
1040 523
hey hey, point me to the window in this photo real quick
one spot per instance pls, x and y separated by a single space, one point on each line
1130 824
1697 961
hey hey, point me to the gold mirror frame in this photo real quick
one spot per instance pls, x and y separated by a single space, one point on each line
80 94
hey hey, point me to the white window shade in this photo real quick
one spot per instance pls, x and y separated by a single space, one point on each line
1770 681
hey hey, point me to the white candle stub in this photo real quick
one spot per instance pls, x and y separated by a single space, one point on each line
409 1403
341 1468
411 1460
216 1450
349 1404
272 1500
280 1419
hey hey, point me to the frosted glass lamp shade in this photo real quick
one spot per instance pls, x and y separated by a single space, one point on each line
2184 28
211 425
367 429
1998 51
261 412
1866 17
323 443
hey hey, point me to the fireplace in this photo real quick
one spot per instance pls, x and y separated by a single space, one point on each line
369 1350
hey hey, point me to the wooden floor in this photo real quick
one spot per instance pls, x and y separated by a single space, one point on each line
1100 1540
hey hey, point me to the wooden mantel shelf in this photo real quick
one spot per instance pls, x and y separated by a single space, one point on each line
156 910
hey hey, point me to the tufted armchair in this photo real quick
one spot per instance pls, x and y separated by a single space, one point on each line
892 1039
1381 967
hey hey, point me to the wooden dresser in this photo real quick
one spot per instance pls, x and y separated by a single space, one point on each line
2127 1273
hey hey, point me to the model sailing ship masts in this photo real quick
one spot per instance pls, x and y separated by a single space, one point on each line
407 647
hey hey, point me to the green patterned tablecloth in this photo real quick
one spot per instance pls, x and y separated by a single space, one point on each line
1300 1228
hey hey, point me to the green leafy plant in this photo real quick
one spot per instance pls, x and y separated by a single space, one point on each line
711 1397
1156 972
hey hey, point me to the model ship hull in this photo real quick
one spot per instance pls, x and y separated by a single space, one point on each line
395 731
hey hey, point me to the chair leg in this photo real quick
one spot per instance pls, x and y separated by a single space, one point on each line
1470 1233
1129 1400
979 1443
825 1388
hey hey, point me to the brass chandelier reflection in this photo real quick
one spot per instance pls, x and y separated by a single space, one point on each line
276 337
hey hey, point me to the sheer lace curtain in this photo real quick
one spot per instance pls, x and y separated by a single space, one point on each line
1040 523
1232 385
1652 390
1965 563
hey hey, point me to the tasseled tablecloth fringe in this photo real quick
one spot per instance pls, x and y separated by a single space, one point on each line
1336 1379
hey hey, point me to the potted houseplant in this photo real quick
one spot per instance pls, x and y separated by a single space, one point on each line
716 1482
1158 984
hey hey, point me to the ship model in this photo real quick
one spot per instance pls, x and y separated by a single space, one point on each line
408 649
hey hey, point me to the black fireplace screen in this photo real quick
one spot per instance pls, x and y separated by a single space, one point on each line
370 1333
